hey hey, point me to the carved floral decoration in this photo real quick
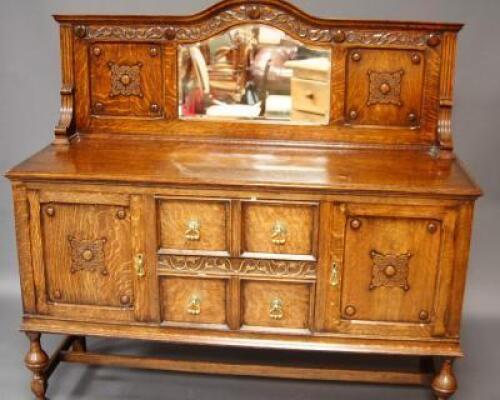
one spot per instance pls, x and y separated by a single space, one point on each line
221 265
390 270
87 255
125 80
385 87
253 13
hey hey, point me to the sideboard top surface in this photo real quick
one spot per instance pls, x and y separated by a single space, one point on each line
248 166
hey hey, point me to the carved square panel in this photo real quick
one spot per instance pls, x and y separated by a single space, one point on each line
384 87
88 255
390 270
126 80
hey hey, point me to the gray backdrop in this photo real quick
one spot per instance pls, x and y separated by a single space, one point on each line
29 103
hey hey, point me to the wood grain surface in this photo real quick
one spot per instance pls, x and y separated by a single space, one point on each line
177 293
298 221
249 166
211 216
257 298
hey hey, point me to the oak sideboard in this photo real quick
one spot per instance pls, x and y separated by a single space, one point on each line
250 177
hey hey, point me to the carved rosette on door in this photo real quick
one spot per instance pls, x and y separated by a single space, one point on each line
87 255
390 270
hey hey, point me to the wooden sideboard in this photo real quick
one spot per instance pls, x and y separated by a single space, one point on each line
163 212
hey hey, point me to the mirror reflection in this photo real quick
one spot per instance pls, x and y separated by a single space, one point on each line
254 72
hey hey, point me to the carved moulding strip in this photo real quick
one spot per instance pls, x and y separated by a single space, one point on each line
385 38
255 13
215 24
391 81
236 266
125 80
390 270
87 255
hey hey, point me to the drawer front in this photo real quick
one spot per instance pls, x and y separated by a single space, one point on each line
192 225
392 268
385 87
126 80
279 229
276 304
192 300
310 96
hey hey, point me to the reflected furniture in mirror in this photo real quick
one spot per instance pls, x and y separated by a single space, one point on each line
250 177
245 73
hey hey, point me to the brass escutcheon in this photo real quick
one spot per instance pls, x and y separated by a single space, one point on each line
139 265
334 277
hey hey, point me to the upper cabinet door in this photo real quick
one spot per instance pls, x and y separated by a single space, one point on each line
88 261
392 269
126 80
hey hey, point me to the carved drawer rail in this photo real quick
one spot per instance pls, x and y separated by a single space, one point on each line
202 265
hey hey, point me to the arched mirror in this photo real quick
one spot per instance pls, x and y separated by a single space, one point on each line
255 73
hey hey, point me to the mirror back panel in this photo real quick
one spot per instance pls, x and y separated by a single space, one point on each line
260 71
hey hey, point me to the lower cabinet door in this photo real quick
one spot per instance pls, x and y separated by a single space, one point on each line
83 255
391 269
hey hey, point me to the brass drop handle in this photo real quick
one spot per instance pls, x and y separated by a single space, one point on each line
334 277
276 309
139 265
193 230
194 306
278 235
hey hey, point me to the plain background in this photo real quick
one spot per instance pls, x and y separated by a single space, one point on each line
29 103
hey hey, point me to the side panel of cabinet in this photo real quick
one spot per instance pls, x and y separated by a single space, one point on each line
83 255
392 268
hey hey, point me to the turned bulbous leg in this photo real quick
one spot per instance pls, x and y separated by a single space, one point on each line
445 383
36 361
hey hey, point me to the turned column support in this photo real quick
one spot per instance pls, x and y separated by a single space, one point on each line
36 361
445 383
